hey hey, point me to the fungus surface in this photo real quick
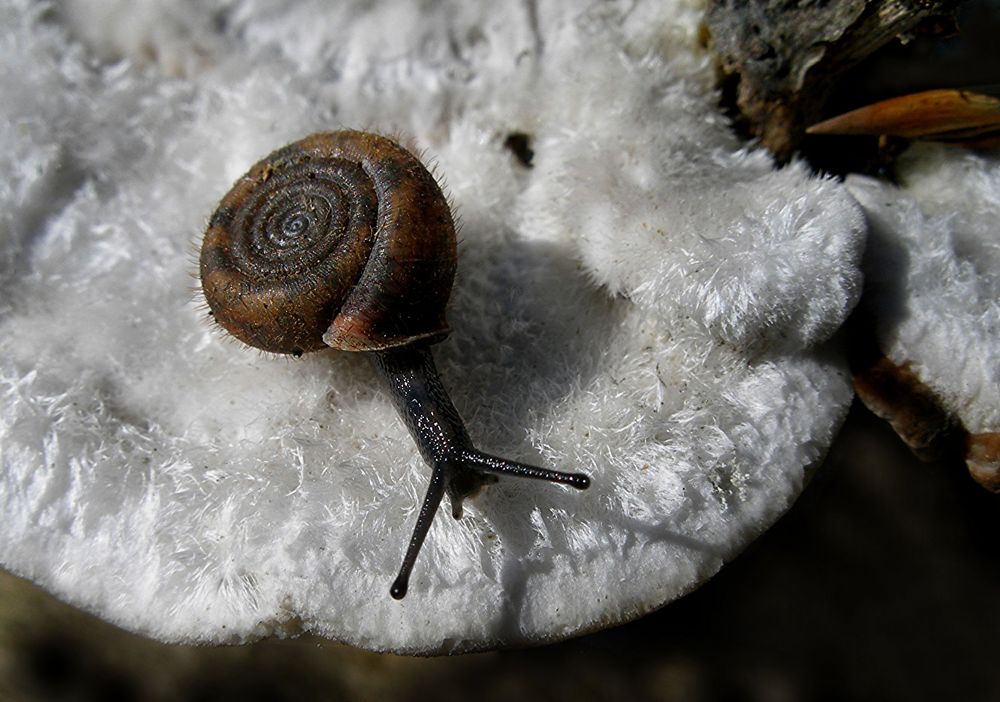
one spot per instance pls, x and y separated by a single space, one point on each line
933 293
643 299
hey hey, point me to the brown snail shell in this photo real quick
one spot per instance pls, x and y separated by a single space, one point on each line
341 239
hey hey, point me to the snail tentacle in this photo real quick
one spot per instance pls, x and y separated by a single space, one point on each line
457 467
429 507
488 463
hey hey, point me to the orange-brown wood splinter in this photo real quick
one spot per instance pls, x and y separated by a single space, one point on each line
970 117
344 240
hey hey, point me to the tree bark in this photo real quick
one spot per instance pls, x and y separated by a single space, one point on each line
785 56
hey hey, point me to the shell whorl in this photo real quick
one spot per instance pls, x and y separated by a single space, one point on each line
342 240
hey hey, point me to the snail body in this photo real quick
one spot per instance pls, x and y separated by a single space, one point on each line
344 240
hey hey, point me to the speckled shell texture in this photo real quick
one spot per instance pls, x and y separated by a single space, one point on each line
339 240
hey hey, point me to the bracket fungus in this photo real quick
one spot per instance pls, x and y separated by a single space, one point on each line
932 293
643 300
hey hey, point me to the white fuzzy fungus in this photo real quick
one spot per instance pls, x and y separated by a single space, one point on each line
648 303
933 275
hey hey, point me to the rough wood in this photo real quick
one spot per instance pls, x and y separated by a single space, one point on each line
785 56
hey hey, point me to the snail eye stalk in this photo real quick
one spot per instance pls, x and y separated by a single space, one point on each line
457 467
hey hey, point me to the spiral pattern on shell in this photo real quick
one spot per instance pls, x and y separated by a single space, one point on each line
342 239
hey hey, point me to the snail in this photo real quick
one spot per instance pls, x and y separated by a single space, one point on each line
344 240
